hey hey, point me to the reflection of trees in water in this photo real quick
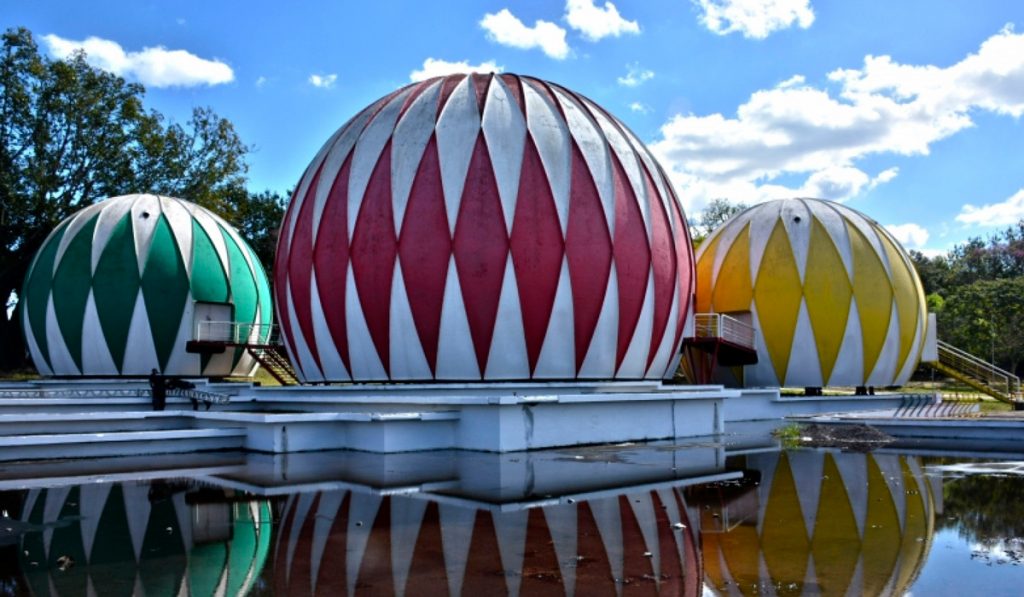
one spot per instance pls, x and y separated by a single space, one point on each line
985 509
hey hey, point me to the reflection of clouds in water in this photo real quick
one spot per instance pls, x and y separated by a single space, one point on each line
1007 551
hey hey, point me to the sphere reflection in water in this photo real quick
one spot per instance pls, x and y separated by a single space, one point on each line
113 540
820 523
341 542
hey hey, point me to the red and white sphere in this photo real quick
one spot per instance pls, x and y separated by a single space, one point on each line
490 227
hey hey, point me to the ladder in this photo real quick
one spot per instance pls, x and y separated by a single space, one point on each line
977 373
273 358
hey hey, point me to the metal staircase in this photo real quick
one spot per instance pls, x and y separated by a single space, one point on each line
978 374
259 340
274 359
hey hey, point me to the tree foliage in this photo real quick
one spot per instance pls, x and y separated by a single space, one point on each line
714 214
977 291
71 134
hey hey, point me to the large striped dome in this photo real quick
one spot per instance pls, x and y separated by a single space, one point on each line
483 227
834 298
113 290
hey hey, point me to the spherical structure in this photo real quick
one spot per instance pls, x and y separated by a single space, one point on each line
114 537
121 286
334 541
834 299
853 524
483 227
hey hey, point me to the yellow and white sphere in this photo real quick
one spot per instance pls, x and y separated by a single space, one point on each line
834 299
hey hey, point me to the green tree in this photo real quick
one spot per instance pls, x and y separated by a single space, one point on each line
985 319
714 214
71 134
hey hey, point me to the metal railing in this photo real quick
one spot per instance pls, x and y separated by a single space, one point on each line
236 332
720 325
967 364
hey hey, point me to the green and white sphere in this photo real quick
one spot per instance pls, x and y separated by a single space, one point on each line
120 287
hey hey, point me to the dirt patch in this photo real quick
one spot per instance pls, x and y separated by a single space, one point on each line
845 436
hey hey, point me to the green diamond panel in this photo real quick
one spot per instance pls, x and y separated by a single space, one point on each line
116 288
165 288
209 284
71 286
36 292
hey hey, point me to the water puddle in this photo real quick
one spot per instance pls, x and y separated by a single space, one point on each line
740 517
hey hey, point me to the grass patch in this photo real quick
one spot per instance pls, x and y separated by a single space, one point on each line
19 375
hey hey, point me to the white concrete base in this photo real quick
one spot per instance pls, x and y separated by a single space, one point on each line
384 418
759 404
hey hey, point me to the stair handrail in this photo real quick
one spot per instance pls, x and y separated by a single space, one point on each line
725 327
237 332
978 368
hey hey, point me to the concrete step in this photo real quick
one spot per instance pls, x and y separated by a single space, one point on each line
36 423
92 444
112 404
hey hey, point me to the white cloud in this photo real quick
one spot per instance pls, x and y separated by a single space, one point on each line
885 176
794 81
635 76
1004 213
506 29
261 81
910 235
155 67
595 22
323 81
755 19
640 108
796 129
435 67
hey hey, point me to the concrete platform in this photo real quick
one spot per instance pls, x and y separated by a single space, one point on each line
762 404
373 417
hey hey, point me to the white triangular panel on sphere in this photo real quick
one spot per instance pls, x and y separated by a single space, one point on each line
507 358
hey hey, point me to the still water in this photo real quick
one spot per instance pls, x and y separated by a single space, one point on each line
742 517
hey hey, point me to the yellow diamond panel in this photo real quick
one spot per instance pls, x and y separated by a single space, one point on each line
733 290
836 542
827 292
777 294
907 298
783 535
873 291
740 549
705 269
881 533
915 529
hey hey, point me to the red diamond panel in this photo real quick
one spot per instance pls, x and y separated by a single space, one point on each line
588 246
447 87
632 257
537 250
481 249
480 83
300 267
663 260
281 258
330 258
425 248
514 86
684 267
374 250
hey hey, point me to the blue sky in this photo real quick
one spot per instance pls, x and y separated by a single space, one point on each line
909 111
